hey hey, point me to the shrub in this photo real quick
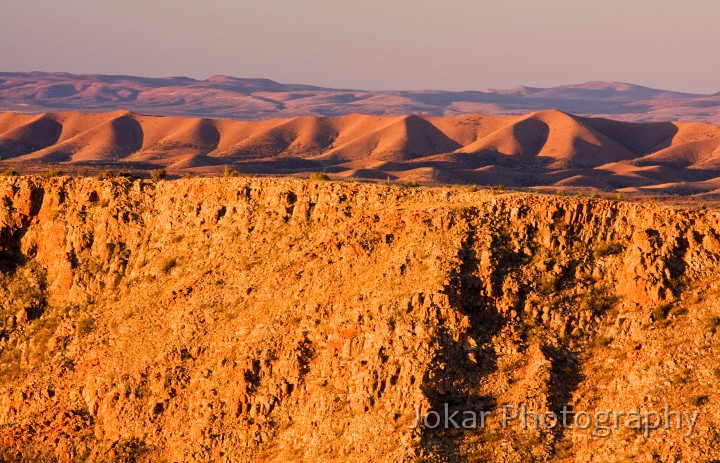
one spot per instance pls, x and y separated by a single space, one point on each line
660 313
158 174
410 184
599 301
130 450
83 173
607 249
560 192
548 284
229 173
497 189
85 325
106 175
52 173
167 265
602 341
712 324
319 177
10 173
697 400
126 174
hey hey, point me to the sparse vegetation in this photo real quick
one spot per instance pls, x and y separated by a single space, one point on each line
602 341
660 315
549 284
158 174
230 173
697 400
126 174
130 450
410 184
598 300
109 174
9 173
85 325
682 378
712 323
605 249
52 173
319 177
106 175
168 265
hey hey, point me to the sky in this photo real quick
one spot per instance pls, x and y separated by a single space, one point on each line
374 44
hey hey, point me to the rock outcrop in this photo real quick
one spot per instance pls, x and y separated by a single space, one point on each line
286 320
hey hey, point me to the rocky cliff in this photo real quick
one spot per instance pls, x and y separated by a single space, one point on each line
285 320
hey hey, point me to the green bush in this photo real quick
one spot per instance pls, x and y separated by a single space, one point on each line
410 184
10 173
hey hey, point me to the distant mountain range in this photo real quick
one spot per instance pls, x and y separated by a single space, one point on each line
254 99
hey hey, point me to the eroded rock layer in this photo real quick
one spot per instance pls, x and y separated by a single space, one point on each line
286 320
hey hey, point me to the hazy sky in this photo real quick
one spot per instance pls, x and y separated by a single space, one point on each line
374 44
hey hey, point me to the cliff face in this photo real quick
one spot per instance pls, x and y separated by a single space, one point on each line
284 320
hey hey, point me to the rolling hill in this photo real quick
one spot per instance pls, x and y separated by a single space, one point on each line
540 149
